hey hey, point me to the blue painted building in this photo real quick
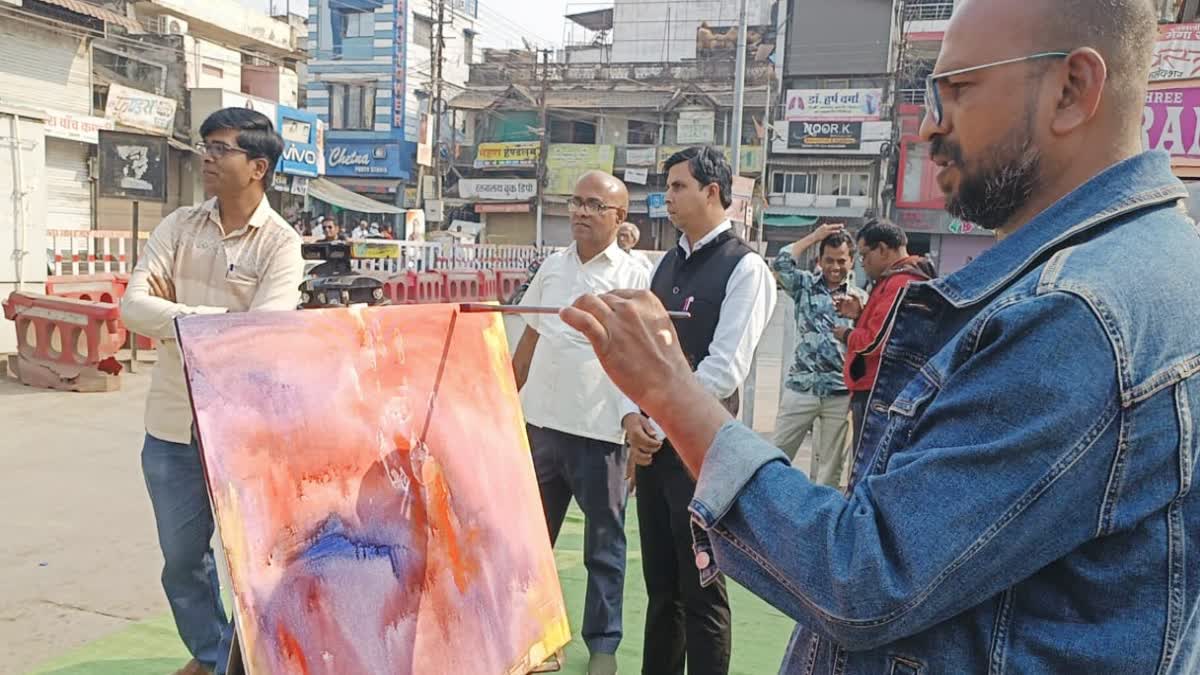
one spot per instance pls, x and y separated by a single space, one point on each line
369 79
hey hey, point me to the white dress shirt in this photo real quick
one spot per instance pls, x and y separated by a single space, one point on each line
749 302
567 389
642 259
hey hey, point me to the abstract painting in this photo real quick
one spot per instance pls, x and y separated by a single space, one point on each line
374 491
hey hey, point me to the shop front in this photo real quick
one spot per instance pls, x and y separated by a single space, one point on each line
301 161
373 172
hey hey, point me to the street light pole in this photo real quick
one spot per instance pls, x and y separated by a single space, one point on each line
739 89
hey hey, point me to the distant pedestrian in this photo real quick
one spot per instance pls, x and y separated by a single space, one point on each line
628 237
362 231
331 231
232 253
815 389
573 410
885 258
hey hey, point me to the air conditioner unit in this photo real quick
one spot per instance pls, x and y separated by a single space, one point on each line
167 25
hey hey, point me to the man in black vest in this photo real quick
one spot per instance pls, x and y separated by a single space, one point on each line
730 293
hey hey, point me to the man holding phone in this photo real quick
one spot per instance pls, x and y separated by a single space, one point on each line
815 388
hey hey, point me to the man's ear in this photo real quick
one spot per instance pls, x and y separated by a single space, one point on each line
1081 85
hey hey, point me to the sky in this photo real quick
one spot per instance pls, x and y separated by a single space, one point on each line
502 22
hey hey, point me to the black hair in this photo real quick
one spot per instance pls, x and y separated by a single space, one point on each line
877 232
709 167
256 135
836 240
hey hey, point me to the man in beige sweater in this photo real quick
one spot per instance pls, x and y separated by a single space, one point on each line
232 253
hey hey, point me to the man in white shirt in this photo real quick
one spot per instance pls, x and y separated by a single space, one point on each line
231 254
573 410
627 238
730 293
361 231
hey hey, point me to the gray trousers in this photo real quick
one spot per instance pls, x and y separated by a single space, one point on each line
799 413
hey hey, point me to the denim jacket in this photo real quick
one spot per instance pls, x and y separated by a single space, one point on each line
1022 497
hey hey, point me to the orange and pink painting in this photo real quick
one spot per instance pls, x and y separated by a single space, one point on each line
374 491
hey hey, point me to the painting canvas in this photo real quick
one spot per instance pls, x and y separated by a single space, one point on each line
374 491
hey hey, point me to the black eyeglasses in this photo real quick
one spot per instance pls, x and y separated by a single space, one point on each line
933 96
588 207
218 150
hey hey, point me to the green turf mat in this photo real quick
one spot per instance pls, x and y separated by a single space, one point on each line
760 633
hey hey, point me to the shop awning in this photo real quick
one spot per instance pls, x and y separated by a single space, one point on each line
88 9
332 193
789 221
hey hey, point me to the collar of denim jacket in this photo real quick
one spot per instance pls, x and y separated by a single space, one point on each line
1140 182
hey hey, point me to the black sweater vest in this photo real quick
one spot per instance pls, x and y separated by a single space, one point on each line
697 284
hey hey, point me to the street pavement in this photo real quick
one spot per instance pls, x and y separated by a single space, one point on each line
80 559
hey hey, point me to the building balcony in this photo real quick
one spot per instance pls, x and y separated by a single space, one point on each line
927 20
800 201
228 22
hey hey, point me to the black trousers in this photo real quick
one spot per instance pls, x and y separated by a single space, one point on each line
684 621
858 415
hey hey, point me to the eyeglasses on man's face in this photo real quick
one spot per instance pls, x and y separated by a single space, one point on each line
588 207
217 149
933 94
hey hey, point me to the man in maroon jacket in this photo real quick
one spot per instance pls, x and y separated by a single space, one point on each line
885 258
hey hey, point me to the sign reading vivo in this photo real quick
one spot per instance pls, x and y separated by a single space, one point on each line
364 159
301 145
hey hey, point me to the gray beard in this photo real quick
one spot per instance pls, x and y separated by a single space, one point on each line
991 197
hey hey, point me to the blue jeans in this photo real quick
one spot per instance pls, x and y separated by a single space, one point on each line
175 481
594 473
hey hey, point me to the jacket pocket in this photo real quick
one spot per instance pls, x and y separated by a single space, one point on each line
902 665
913 398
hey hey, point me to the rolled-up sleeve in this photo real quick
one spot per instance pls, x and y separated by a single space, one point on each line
987 492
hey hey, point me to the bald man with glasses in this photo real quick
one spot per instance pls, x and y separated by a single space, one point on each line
573 410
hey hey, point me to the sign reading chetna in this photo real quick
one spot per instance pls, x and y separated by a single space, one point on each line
844 105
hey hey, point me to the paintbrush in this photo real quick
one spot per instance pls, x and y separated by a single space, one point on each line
471 307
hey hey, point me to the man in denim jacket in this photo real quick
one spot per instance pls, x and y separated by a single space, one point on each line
1023 498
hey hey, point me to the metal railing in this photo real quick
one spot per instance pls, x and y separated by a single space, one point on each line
395 257
913 96
79 252
929 11
76 252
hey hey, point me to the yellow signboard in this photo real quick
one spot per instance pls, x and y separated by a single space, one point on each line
752 156
507 155
566 162
365 251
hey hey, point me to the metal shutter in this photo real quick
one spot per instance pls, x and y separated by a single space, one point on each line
68 189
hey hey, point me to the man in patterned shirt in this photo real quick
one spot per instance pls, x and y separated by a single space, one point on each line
815 389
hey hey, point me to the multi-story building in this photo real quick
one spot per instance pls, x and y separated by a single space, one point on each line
626 119
618 97
370 77
48 129
833 128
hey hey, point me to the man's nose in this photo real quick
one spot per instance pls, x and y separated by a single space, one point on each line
930 128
